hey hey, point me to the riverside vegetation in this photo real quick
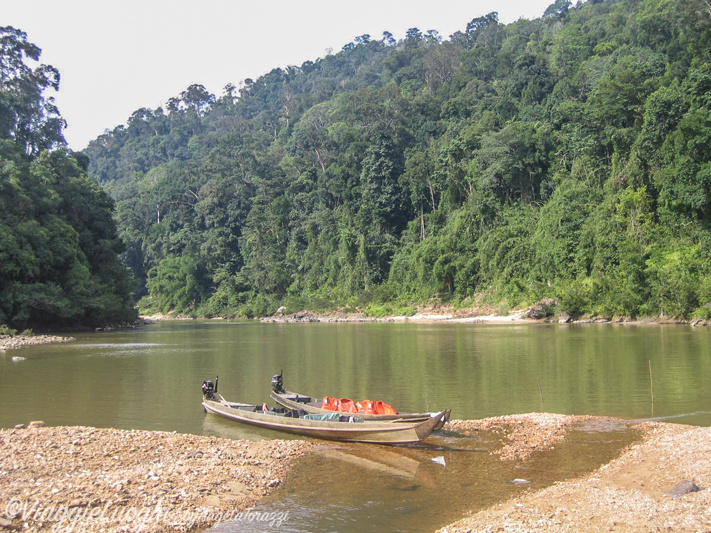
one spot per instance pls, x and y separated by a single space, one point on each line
561 161
59 247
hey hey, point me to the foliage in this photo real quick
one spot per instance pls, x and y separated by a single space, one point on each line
59 263
383 310
6 330
559 159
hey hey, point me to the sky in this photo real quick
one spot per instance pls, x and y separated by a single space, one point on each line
116 56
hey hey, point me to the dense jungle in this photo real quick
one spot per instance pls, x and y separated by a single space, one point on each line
561 162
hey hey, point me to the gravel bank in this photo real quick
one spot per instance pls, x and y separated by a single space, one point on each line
13 342
531 432
629 494
89 479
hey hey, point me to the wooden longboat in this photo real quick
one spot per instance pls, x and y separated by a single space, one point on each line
294 421
293 400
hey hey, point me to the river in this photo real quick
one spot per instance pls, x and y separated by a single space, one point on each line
150 378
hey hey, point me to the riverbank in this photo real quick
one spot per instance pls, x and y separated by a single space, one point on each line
90 479
422 317
13 342
118 480
529 315
645 489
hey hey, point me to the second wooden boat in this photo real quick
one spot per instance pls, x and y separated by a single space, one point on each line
294 400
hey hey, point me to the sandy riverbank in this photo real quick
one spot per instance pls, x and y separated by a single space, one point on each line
174 482
470 316
116 480
629 494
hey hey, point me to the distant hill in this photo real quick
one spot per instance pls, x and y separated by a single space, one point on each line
562 160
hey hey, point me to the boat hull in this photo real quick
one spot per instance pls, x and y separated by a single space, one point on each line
293 400
370 432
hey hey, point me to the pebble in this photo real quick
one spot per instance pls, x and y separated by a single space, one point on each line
682 488
87 468
627 494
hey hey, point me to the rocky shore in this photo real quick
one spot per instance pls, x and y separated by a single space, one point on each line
470 316
89 479
660 483
529 433
12 342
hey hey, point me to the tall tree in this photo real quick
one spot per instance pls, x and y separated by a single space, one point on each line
58 242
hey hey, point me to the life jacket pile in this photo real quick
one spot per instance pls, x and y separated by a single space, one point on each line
370 407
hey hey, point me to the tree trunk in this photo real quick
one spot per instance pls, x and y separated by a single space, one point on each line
422 223
318 155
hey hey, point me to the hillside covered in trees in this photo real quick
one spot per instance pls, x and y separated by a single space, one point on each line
564 159
59 262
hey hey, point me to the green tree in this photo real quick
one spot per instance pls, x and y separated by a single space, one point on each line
58 242
26 116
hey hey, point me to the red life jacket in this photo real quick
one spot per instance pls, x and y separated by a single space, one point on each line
346 405
375 407
330 404
382 408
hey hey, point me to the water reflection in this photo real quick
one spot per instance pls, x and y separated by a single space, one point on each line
478 370
366 488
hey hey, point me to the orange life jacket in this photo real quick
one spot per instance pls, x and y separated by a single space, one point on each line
382 408
365 407
375 407
346 405
330 404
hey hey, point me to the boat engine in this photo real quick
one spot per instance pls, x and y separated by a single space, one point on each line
278 383
208 390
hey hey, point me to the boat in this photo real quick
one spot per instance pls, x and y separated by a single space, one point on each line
294 400
330 426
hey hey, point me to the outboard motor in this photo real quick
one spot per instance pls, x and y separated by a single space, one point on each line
278 383
208 390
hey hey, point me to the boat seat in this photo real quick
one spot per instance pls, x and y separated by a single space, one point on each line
295 413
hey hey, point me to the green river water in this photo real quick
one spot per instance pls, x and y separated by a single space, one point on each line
150 378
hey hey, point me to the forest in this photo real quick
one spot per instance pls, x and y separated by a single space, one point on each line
562 162
59 246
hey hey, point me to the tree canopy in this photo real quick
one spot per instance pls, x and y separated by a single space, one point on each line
59 262
561 159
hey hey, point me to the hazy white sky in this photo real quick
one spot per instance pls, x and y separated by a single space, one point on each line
116 56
